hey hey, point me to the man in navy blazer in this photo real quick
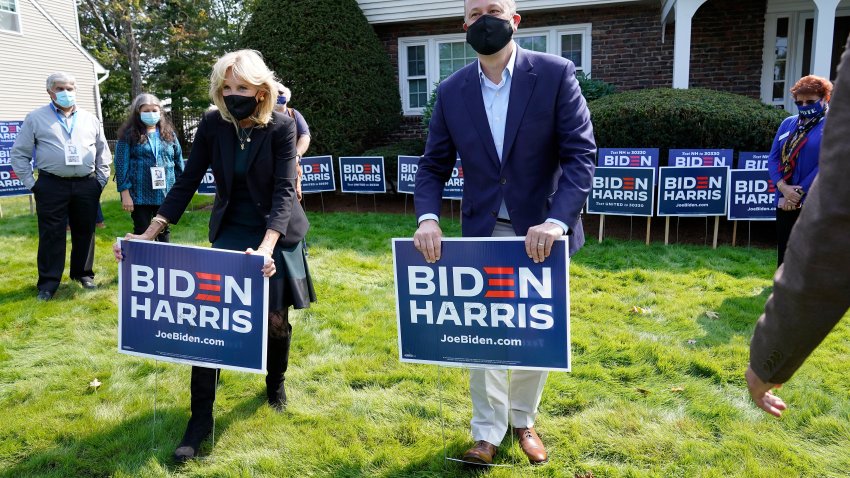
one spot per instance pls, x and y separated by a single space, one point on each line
519 122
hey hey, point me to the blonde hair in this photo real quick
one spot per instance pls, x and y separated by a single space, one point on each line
248 66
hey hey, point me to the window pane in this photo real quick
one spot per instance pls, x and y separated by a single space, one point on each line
9 21
454 56
571 48
779 91
8 6
418 93
535 43
416 60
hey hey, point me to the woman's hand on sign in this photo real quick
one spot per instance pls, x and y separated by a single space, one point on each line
791 193
269 268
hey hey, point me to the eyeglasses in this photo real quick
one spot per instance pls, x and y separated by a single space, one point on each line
805 102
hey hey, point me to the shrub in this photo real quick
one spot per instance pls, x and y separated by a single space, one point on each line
674 118
340 76
593 89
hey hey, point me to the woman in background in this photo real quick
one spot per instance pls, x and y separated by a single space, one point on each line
148 159
793 161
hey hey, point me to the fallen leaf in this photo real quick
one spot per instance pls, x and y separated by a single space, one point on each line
643 391
712 315
587 474
692 341
95 384
677 389
639 310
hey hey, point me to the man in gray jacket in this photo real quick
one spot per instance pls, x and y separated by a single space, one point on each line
811 290
73 167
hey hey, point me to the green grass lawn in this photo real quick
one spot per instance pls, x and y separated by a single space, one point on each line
655 394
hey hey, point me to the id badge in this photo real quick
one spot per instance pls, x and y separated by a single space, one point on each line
158 177
73 157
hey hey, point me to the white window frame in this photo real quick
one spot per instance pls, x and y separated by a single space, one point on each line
432 64
20 30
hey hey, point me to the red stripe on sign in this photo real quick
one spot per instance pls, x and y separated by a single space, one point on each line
205 276
500 294
208 297
214 288
500 282
367 168
315 166
629 187
499 270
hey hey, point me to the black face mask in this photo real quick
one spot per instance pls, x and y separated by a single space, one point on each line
489 34
240 107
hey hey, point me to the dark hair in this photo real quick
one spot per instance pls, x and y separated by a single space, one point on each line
135 132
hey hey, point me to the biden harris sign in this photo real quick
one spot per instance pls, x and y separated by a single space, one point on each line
10 185
623 191
192 305
697 191
485 303
751 195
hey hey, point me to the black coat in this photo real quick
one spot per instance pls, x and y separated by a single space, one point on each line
271 175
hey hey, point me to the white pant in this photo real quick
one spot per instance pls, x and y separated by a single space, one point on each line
493 400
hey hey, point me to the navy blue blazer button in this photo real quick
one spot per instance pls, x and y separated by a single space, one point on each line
503 181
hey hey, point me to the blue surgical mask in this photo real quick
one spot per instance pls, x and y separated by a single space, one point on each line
150 118
812 110
281 100
65 99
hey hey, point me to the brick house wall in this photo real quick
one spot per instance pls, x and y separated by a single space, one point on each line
627 51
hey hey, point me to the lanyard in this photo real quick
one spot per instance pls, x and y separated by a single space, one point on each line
63 121
154 147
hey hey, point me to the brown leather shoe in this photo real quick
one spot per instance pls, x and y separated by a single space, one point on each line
482 453
532 446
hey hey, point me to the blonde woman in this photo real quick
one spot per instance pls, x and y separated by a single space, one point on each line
251 150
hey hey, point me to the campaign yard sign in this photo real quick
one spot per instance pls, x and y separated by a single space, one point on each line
692 191
207 184
700 157
362 174
10 185
483 304
628 158
192 305
454 186
317 174
622 191
751 160
407 167
751 195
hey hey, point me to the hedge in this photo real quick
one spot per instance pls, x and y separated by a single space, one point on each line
675 118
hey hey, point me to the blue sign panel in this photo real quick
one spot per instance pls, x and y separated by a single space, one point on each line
622 191
10 185
751 194
750 160
192 305
485 303
317 174
407 167
699 191
362 174
207 184
700 157
628 158
454 186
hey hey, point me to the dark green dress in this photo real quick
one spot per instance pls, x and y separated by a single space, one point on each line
244 226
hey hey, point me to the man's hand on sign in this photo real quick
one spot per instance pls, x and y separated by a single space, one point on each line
427 240
539 240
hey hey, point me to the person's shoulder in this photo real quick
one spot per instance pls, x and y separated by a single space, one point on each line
280 120
542 60
788 122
